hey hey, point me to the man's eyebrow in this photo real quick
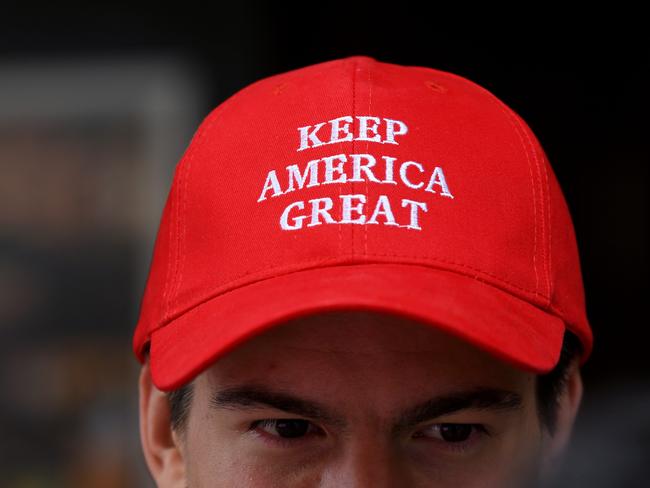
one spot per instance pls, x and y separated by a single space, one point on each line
252 396
248 397
477 399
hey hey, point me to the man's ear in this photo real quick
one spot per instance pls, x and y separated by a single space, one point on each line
567 409
161 446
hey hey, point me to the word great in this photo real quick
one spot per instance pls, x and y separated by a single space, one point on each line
320 208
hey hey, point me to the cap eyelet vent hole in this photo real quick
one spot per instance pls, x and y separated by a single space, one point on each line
279 88
435 86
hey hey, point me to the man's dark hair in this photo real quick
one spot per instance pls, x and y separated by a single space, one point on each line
549 386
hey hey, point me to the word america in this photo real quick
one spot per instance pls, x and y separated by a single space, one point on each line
361 163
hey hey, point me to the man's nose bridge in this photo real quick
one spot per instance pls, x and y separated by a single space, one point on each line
369 464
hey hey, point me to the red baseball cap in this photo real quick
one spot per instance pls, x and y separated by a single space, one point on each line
360 184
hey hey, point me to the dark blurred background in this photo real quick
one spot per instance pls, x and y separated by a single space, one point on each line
97 104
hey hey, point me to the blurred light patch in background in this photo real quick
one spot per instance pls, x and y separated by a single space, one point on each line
87 153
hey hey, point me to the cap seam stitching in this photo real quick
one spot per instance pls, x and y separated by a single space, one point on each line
354 108
365 227
335 261
209 120
172 209
549 261
172 280
517 128
180 222
544 199
174 249
512 114
549 307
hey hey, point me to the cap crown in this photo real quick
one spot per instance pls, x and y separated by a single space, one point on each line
359 161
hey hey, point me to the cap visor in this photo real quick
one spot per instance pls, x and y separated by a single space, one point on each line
489 318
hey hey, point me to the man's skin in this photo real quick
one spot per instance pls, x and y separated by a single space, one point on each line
366 371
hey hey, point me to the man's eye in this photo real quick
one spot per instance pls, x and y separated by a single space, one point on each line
451 432
285 428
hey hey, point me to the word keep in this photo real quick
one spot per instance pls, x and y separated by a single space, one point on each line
369 128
